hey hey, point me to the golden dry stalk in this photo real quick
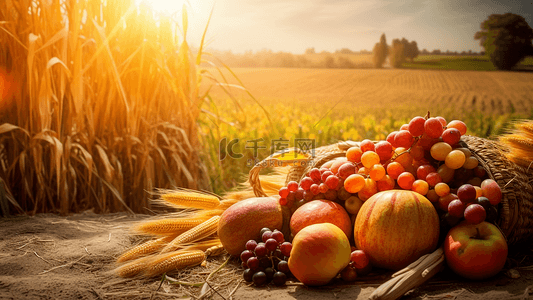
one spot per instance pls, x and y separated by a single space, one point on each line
191 199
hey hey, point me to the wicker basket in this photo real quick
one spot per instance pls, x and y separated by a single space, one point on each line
515 210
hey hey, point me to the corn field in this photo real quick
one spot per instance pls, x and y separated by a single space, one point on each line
99 105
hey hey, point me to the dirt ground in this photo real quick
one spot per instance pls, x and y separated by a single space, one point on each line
53 257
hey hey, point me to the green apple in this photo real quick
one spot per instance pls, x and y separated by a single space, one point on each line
475 251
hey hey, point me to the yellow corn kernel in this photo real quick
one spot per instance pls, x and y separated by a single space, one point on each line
201 231
146 248
191 199
169 226
176 260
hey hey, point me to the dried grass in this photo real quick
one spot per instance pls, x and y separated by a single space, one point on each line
99 105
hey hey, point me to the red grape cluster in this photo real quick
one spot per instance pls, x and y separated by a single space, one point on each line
266 261
474 204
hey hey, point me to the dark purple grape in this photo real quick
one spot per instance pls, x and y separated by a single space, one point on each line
247 275
269 273
246 254
261 250
271 244
283 266
286 248
244 265
483 201
250 245
259 278
492 214
253 263
451 220
279 278
266 235
277 253
263 231
265 262
278 236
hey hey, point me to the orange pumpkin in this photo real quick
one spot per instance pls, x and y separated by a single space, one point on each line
394 228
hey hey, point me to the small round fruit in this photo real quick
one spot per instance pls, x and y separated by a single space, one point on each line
491 190
455 159
286 248
283 266
433 178
353 205
456 208
283 192
332 182
361 262
246 254
346 170
269 273
406 180
354 183
348 274
442 189
440 150
247 275
354 154
459 125
259 278
278 236
271 244
451 136
279 278
467 193
263 231
261 250
253 263
367 145
492 214
384 150
266 235
475 214
433 128
416 126
483 201
445 201
251 244
370 158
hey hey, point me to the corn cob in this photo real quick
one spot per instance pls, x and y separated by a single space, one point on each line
173 261
170 226
191 199
201 231
145 248
132 268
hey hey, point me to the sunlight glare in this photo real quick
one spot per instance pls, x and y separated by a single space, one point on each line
167 7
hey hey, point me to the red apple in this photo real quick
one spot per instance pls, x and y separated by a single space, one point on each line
475 251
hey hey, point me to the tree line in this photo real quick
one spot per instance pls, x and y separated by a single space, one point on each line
506 39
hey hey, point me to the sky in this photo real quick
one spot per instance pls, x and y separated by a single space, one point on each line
329 25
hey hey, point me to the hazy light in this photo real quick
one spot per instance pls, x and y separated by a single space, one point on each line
167 7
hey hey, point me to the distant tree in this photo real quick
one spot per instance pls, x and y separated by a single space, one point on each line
310 51
412 51
506 39
425 51
328 61
436 52
344 51
396 54
380 52
470 52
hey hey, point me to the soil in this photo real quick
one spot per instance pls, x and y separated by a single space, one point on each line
52 257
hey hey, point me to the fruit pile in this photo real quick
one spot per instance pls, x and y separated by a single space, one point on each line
266 261
424 156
